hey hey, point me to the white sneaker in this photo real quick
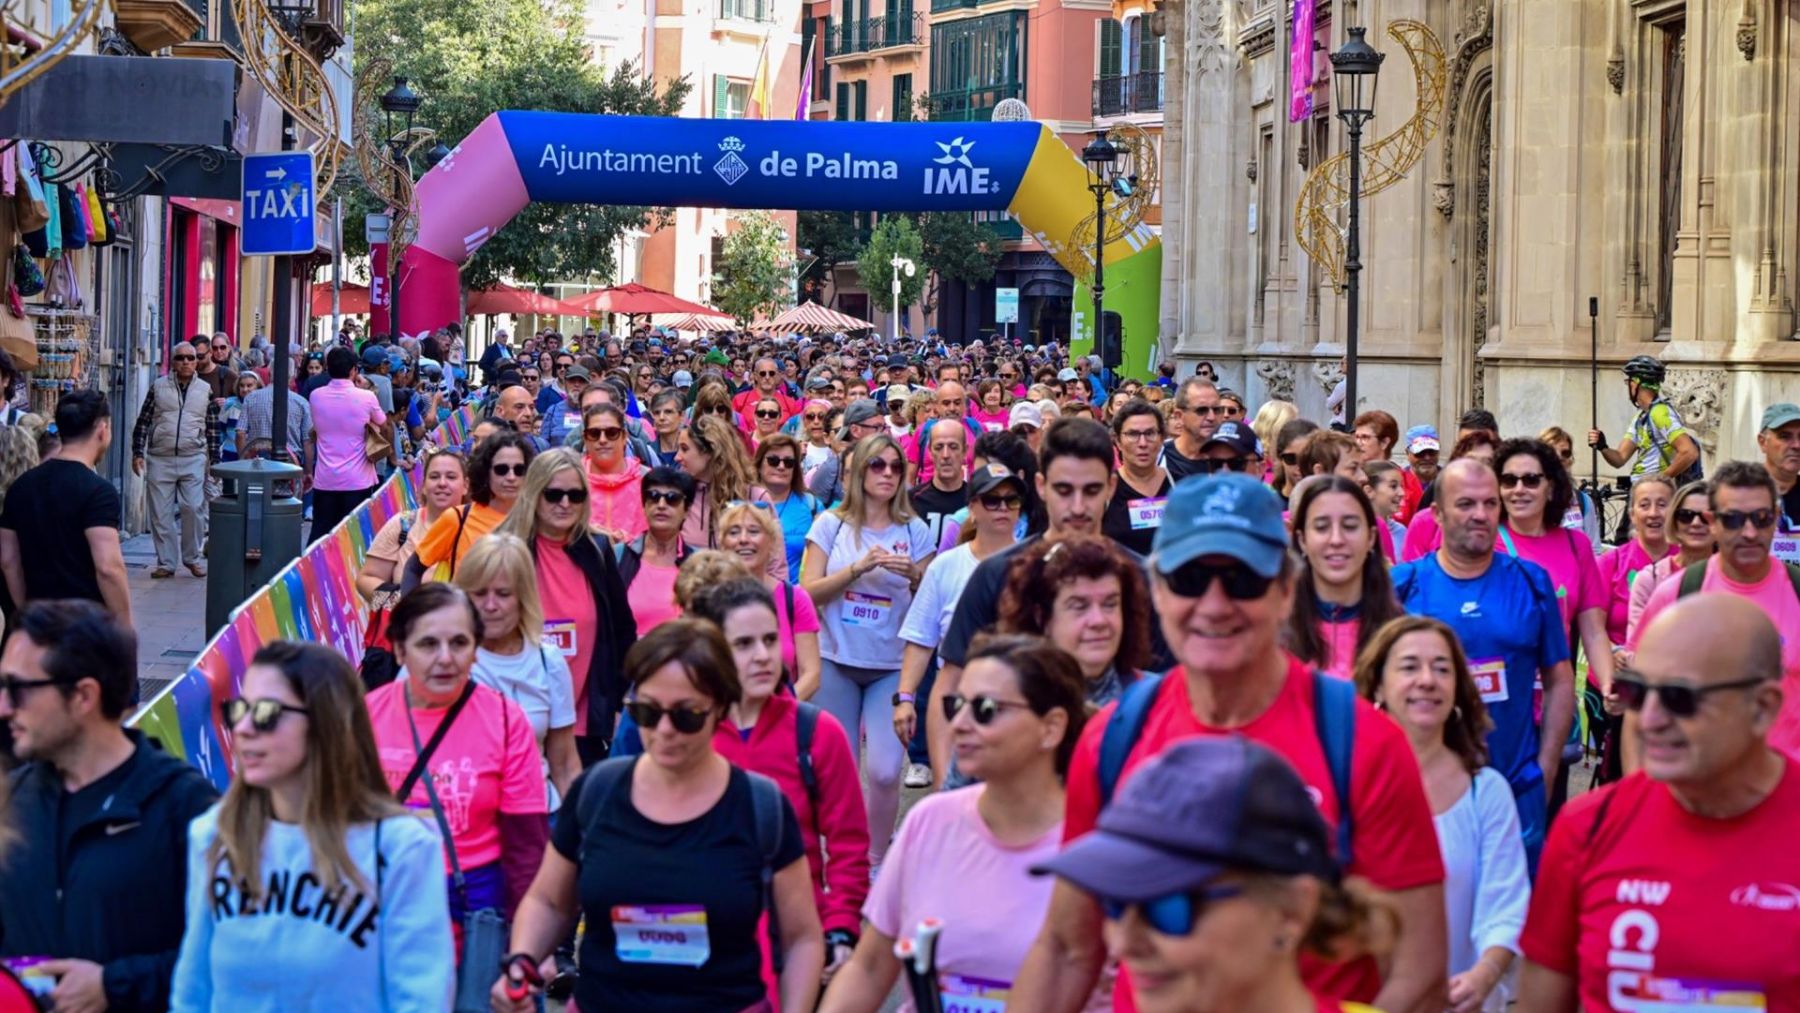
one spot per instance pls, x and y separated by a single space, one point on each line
918 775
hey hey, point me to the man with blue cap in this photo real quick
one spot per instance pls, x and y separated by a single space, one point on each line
1223 581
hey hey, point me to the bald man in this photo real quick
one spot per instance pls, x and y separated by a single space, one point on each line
518 408
1504 610
173 445
1680 884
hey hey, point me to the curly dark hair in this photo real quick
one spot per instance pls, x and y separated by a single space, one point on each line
481 462
1562 488
1042 568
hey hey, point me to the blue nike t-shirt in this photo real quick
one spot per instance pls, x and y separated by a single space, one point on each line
1511 629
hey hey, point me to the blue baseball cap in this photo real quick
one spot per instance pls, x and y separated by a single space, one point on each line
1228 514
1202 807
1420 439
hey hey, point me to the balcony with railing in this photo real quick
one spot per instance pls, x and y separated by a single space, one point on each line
869 35
971 104
747 10
1124 94
941 6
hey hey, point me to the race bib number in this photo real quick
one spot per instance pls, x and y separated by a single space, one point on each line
1785 548
1146 513
1648 993
973 995
661 934
560 634
571 420
1573 518
866 611
1490 679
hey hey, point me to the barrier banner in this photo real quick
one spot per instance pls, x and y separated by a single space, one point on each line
314 598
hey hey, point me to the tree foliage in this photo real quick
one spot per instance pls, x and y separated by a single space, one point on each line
475 57
829 239
894 235
754 275
957 248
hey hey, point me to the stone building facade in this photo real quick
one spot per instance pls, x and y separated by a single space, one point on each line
1645 153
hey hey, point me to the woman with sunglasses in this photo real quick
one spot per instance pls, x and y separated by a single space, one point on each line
448 744
496 474
1086 597
864 560
1213 869
714 400
309 804
767 416
1414 669
964 857
513 660
647 845
817 448
446 485
778 463
750 536
615 480
713 453
1342 592
1290 441
1693 543
650 563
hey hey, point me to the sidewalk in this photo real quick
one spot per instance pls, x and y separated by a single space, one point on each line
170 616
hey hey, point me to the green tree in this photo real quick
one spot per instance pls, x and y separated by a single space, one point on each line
828 238
755 273
957 248
894 235
472 58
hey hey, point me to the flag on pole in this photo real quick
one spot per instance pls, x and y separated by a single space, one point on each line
759 87
806 78
1300 62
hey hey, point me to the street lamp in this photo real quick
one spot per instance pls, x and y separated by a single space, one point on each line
1355 70
399 101
1102 158
901 266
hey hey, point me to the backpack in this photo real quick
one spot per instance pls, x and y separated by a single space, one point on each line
1694 472
1334 720
1693 576
765 801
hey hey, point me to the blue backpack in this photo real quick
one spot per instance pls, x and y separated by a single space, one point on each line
1334 719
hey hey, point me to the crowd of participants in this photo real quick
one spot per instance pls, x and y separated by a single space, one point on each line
1213 708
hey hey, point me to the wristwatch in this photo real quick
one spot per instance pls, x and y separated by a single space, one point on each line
900 698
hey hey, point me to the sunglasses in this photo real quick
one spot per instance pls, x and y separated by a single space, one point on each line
767 372
1009 376
996 502
1241 583
183 358
883 466
779 461
1678 698
608 433
763 414
1532 481
14 689
723 409
509 469
1208 410
1732 520
1208 466
1685 516
265 714
1291 460
814 417
1172 914
647 716
984 709
556 496
663 496
531 378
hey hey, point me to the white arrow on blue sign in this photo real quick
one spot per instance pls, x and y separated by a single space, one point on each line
278 203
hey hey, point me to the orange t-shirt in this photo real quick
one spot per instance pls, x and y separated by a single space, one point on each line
452 534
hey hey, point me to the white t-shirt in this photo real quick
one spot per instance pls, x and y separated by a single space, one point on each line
815 456
861 627
538 680
929 617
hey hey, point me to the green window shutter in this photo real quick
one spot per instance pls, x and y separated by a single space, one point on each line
1111 48
841 108
862 100
721 95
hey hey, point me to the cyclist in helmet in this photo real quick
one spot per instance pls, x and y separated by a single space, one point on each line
1658 441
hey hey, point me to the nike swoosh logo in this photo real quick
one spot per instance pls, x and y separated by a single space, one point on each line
119 828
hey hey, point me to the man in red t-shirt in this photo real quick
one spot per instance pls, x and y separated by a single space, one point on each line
766 383
1678 888
1223 585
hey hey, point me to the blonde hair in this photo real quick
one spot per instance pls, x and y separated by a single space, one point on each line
503 553
704 569
1270 418
730 474
522 520
762 517
854 509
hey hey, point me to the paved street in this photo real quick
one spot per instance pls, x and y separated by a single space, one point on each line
170 616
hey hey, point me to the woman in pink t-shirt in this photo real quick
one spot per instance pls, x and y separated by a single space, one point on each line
1651 505
748 531
1342 594
990 409
964 857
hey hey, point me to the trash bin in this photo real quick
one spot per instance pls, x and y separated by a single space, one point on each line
254 532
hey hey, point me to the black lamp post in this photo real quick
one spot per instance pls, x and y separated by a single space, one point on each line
1102 159
1355 69
402 102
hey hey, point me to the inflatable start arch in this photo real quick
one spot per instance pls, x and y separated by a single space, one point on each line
514 158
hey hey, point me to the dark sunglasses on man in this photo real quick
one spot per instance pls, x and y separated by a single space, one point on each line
1682 699
1241 583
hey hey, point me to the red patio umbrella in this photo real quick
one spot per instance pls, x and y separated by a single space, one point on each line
635 300
508 299
353 299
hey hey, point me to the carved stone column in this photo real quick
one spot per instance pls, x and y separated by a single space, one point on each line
1174 197
1208 160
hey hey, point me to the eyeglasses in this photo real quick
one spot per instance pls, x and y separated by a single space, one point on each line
663 496
1531 481
532 377
765 414
265 714
1685 516
984 709
883 466
647 716
1241 583
1172 914
607 433
556 496
1678 698
183 358
1732 520
1568 456
814 417
1208 466
1009 376
14 688
1291 460
1209 410
997 502
509 469
780 461
1140 435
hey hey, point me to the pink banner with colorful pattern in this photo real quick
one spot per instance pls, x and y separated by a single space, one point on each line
1301 62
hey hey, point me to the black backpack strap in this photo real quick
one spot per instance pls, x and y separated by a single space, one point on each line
462 521
1334 714
1122 731
766 803
806 726
418 768
601 778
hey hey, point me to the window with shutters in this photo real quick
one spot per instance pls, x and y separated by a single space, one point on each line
903 98
861 90
730 98
840 109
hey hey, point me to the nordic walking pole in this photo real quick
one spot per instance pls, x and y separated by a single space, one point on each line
1594 378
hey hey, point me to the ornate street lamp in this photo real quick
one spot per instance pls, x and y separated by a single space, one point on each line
1355 71
1102 159
402 102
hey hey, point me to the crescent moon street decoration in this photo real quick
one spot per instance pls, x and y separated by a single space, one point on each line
1386 160
1124 215
375 163
296 81
15 74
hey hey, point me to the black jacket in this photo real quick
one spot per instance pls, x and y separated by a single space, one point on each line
617 632
118 896
631 556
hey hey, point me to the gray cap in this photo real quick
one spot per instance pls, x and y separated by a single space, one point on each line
683 378
860 410
1066 374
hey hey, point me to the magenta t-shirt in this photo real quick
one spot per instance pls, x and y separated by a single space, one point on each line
1618 569
804 620
652 596
1340 646
1568 556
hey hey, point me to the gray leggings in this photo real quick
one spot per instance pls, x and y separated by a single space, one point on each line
863 698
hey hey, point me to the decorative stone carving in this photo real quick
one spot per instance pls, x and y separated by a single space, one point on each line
1746 32
1327 372
1443 197
1475 37
1207 52
1615 74
1698 396
1250 169
1278 374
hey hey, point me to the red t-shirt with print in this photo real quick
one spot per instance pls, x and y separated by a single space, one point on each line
1395 841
